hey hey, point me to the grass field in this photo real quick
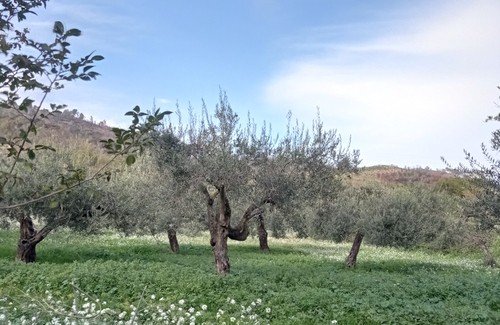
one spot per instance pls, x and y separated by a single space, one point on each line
298 282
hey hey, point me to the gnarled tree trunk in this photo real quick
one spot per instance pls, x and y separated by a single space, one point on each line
241 232
261 230
26 249
172 238
351 259
220 226
30 237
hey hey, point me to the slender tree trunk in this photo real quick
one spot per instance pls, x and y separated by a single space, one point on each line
261 230
172 238
351 259
482 244
220 248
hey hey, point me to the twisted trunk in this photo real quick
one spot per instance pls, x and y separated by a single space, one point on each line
241 232
172 238
351 259
261 230
220 226
30 237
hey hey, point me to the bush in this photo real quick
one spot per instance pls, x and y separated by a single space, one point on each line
411 216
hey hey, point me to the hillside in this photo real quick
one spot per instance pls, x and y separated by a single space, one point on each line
65 124
390 174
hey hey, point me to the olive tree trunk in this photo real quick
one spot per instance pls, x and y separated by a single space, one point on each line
482 244
220 228
172 238
30 237
261 230
351 259
220 248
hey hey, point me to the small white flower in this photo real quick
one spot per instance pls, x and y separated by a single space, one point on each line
172 306
249 309
259 301
268 310
204 307
334 321
232 301
161 299
233 319
191 310
181 302
198 313
152 296
97 300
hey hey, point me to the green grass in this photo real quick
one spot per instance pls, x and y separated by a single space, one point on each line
301 281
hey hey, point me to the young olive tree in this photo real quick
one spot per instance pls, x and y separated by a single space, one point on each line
37 71
483 212
235 163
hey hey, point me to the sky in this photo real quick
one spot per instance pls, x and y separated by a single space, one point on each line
407 81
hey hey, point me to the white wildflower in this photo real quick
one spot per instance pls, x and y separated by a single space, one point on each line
233 319
181 302
268 310
204 307
191 310
152 296
232 301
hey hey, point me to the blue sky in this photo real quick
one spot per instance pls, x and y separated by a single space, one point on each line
410 81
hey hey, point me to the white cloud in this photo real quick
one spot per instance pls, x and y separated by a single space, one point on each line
407 96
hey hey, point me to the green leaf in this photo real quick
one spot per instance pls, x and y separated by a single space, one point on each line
54 204
137 109
130 160
31 154
87 68
58 28
73 32
97 58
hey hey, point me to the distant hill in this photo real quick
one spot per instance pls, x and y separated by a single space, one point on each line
391 174
65 124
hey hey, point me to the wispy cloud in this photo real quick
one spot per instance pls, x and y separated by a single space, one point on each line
407 95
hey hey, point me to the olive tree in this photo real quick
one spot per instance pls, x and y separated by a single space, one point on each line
237 164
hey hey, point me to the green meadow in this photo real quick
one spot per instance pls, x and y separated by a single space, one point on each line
124 280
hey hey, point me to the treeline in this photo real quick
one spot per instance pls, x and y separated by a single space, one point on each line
215 173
